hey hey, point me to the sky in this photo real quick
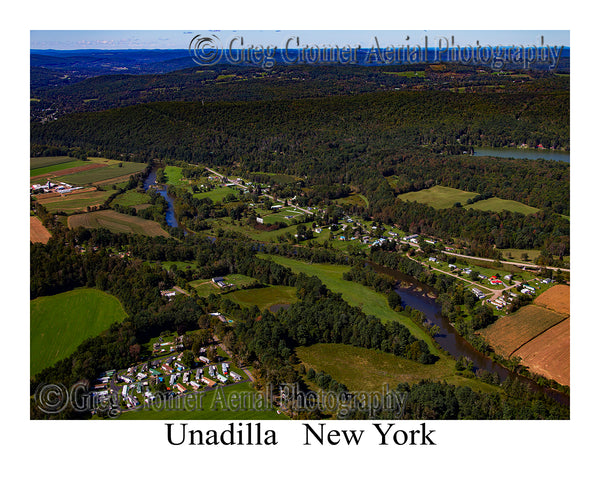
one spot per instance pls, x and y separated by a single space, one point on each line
180 39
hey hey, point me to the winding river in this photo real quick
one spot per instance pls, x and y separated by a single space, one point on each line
421 297
150 182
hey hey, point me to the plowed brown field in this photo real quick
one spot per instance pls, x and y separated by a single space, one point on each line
37 232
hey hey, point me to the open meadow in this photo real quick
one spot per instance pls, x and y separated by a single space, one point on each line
495 204
264 297
77 201
117 223
59 323
438 196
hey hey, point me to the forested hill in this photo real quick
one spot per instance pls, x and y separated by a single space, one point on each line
61 93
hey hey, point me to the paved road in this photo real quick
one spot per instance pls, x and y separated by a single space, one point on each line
521 265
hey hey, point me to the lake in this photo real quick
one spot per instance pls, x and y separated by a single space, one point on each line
524 153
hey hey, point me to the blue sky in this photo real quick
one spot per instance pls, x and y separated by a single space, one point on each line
169 39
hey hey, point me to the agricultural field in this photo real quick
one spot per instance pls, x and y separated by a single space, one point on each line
41 162
495 204
117 223
510 333
438 197
37 232
211 408
557 298
111 169
72 163
516 254
365 369
131 198
174 176
74 202
264 297
59 323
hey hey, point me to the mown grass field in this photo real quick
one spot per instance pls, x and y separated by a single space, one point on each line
438 197
215 405
216 194
131 198
365 369
74 202
355 199
34 172
40 162
117 223
495 204
109 171
264 297
368 300
59 323
174 176
511 332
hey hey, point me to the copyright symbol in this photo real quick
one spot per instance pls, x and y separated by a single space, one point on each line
205 50
51 398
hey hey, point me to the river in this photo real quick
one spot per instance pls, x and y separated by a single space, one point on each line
420 296
523 153
150 181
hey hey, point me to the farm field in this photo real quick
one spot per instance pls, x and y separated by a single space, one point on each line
75 201
211 408
515 254
549 354
40 162
438 197
495 204
509 333
110 170
59 323
368 300
174 177
35 172
117 223
37 232
557 298
365 369
264 297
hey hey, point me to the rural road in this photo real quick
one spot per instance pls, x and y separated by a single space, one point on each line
531 265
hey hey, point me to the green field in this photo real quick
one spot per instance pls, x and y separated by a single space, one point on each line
111 170
368 300
495 204
59 323
214 406
74 202
34 172
40 162
117 223
131 198
438 197
410 73
264 297
174 176
217 194
363 369
355 199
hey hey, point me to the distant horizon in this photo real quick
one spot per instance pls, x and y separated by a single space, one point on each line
106 40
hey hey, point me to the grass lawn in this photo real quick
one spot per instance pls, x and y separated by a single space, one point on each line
217 194
369 370
117 223
131 198
438 197
495 204
218 404
260 235
264 297
59 323
368 300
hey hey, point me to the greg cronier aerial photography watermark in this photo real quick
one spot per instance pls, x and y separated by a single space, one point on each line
211 49
54 399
